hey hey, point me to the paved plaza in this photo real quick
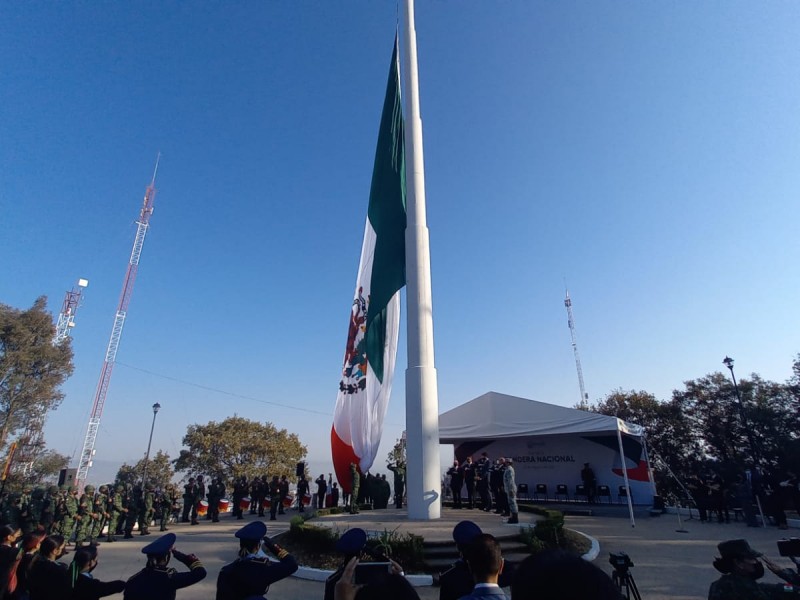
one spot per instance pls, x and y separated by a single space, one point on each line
668 564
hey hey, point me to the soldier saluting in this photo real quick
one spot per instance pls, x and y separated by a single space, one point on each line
159 582
250 575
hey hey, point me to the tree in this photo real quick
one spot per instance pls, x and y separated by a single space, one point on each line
32 368
398 452
238 446
159 471
43 471
671 443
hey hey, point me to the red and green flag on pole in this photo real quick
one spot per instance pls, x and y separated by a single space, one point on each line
371 350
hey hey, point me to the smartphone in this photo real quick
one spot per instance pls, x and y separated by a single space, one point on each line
789 547
371 572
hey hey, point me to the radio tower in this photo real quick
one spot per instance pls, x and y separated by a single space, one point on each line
571 323
116 332
31 441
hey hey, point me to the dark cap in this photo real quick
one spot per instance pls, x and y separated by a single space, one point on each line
352 541
252 531
465 532
161 546
737 549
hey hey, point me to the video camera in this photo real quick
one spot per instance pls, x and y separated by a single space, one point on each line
789 547
621 561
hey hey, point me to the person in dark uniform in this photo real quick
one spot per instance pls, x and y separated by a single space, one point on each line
456 483
322 489
189 492
457 581
399 470
84 586
335 494
257 497
350 544
468 469
274 497
157 581
200 493
250 575
302 490
284 494
482 469
589 482
239 491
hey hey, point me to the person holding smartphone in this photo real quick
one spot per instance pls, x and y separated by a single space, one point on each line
157 581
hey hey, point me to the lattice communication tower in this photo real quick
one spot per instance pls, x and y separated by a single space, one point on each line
31 442
87 454
571 323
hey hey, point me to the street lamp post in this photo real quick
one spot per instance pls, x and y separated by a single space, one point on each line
728 362
156 406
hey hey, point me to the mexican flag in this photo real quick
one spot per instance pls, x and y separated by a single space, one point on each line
371 349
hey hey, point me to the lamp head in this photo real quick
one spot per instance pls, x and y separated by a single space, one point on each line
156 406
728 362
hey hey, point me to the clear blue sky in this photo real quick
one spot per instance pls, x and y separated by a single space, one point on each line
647 153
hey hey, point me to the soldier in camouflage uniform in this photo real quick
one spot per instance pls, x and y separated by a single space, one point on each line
132 500
116 511
71 520
25 522
35 508
101 510
741 569
86 518
167 501
355 478
12 513
146 510
49 504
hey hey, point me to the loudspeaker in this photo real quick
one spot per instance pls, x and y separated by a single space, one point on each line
67 477
300 471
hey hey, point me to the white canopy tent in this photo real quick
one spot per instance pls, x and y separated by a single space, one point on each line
540 435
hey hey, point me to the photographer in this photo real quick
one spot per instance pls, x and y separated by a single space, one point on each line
741 570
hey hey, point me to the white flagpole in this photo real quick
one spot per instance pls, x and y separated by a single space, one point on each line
422 400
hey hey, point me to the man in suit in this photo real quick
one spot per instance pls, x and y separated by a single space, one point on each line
485 563
456 482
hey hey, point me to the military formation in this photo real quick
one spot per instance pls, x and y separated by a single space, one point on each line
83 515
91 515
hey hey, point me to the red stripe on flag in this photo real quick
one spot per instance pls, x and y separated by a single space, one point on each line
343 455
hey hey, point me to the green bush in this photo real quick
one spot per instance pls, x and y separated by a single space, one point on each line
405 548
321 539
528 537
550 528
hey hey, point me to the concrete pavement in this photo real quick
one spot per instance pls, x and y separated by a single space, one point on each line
668 564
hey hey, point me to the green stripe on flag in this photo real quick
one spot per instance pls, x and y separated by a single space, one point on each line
387 215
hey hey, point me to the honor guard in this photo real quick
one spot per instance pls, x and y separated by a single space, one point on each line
250 575
159 582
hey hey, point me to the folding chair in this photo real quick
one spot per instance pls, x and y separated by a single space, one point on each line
522 491
623 493
580 490
562 490
604 490
540 490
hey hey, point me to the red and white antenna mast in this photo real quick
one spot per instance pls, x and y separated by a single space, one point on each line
116 332
571 324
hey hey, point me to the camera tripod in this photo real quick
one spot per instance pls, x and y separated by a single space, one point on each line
625 583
